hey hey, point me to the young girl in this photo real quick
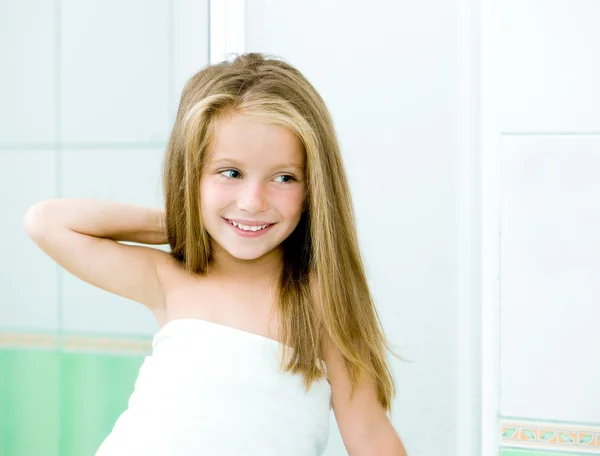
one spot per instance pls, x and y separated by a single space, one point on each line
264 261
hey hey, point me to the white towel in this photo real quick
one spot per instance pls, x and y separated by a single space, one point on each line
212 390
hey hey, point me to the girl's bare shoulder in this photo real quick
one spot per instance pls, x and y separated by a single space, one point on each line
171 273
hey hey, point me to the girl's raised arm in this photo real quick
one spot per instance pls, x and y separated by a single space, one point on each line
82 234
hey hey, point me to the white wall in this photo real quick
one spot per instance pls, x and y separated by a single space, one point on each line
549 123
89 92
548 71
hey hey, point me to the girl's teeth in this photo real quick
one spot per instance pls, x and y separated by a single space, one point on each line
247 228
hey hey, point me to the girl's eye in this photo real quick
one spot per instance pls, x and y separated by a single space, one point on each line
291 178
230 171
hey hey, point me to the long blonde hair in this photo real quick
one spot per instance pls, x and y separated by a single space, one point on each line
323 284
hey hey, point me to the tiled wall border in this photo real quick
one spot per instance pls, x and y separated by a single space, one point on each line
66 342
545 435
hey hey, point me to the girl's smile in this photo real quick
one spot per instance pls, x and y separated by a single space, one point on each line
248 231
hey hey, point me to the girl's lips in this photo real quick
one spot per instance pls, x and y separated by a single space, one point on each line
249 222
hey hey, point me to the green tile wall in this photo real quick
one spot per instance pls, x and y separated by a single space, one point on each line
61 404
29 401
518 452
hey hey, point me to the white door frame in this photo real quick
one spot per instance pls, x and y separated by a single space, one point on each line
227 26
490 239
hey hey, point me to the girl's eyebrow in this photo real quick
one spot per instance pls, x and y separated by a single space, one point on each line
295 166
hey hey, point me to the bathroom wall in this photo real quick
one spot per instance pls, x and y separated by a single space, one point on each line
548 122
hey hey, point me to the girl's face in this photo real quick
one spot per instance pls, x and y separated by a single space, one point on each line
254 175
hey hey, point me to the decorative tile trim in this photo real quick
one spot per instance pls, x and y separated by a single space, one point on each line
74 343
545 435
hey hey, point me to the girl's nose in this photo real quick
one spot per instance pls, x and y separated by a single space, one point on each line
252 197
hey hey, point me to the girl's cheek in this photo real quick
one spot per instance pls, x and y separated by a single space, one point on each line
220 185
289 199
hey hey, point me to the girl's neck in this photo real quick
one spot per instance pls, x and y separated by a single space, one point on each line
265 269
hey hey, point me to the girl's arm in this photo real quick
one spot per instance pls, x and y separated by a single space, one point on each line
82 234
102 218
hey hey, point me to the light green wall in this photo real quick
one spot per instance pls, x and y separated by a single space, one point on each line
61 404
517 452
